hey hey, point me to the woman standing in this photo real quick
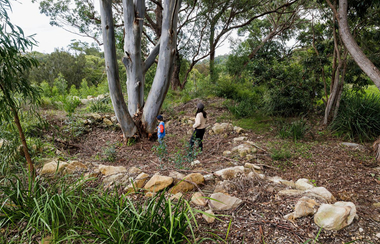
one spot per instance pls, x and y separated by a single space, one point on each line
199 126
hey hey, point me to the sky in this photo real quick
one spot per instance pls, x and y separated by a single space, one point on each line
26 15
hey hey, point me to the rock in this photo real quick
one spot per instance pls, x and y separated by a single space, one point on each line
110 170
177 177
361 230
290 192
336 216
150 194
74 167
244 149
53 167
158 182
90 97
253 167
96 116
114 179
227 153
101 96
305 207
222 186
209 216
134 171
238 129
289 183
275 179
84 101
250 157
195 163
209 177
321 192
354 145
221 128
238 140
378 235
114 119
230 173
198 199
137 183
303 184
184 186
107 122
220 201
255 175
376 204
176 196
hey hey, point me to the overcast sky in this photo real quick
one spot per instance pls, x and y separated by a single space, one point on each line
28 17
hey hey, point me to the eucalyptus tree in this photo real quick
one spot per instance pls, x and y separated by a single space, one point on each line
224 16
144 114
14 63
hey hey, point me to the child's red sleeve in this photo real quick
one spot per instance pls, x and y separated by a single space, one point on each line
161 129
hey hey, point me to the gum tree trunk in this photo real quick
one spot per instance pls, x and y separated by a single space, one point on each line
161 80
121 111
357 54
133 13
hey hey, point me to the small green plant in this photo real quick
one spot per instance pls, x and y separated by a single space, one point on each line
295 130
70 104
161 151
100 106
281 154
131 141
109 153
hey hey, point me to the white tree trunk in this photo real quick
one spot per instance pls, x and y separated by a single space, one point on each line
363 62
161 80
127 125
133 13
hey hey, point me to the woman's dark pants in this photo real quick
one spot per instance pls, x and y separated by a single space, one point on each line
197 136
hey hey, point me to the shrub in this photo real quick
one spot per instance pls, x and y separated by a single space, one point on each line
70 104
295 130
358 116
100 106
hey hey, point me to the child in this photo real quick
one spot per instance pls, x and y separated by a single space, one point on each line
160 129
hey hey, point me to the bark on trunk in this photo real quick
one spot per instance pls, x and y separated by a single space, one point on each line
175 81
363 62
24 145
161 80
134 12
121 111
213 75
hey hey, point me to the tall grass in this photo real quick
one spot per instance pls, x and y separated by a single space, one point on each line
74 212
358 117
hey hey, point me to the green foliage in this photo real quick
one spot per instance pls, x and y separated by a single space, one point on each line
46 90
281 154
74 212
358 116
295 130
70 104
161 151
103 105
109 153
61 85
73 91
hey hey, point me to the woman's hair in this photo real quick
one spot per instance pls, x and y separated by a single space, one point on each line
200 110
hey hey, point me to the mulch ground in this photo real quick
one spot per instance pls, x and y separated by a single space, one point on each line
348 173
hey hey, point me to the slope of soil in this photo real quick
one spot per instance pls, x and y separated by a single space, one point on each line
348 173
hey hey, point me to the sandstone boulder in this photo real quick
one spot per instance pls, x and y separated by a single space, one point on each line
230 173
220 201
157 183
198 199
53 167
184 186
137 183
209 216
335 216
303 184
110 170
